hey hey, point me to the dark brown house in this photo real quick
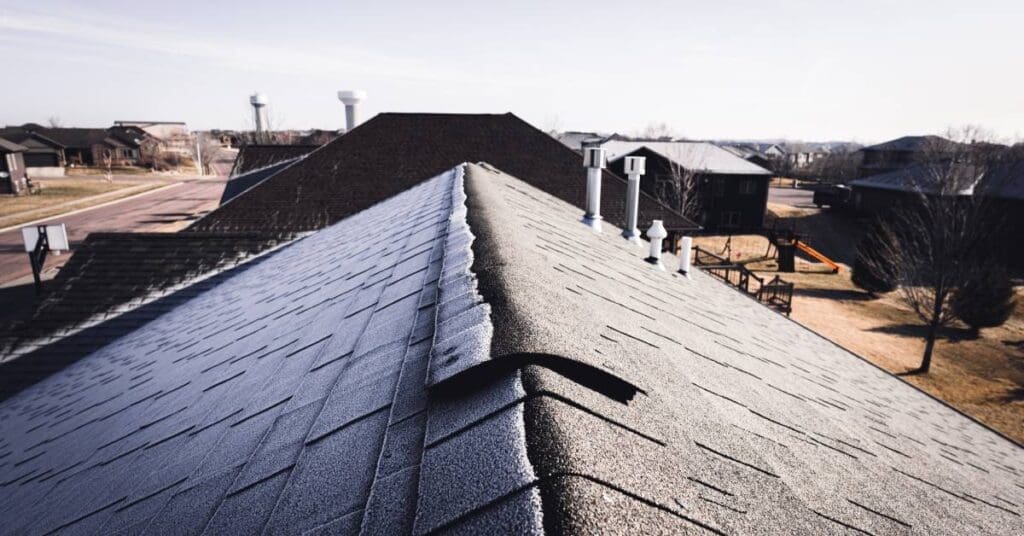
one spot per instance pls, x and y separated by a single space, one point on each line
731 193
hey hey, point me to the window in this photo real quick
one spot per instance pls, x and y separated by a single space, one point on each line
748 187
718 188
730 218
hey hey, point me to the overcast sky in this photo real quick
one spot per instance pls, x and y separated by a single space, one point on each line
817 70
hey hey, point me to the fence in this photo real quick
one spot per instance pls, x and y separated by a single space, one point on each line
777 293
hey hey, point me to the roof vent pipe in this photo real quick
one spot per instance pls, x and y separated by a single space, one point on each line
684 256
656 234
351 100
635 166
594 161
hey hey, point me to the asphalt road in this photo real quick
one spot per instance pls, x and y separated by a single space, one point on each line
794 197
155 211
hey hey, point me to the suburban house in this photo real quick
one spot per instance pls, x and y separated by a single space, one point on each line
898 153
84 146
802 155
749 152
44 157
12 167
173 136
731 193
452 351
1002 186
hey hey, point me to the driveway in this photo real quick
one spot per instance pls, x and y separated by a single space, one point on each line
794 197
167 209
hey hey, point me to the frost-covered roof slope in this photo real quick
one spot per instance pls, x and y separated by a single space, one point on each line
288 397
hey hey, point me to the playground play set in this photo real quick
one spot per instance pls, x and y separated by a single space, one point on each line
776 293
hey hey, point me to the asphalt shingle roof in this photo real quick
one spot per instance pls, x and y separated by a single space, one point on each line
466 357
345 176
253 157
692 155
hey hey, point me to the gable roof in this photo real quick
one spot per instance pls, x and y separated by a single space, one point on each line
252 157
692 155
238 184
11 147
489 365
910 143
344 176
1004 180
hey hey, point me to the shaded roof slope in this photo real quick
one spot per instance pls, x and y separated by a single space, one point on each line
692 155
240 183
252 157
11 147
346 175
910 143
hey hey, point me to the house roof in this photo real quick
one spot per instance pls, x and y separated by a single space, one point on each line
11 147
909 143
253 157
1004 180
33 141
238 184
113 272
75 138
343 177
488 364
693 155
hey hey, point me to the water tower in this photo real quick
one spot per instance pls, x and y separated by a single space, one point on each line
259 112
351 99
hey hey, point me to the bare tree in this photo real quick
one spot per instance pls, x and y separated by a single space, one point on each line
938 240
55 121
682 192
657 131
108 162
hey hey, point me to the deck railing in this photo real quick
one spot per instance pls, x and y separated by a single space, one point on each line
777 293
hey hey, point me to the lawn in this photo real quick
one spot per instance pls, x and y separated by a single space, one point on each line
983 376
58 196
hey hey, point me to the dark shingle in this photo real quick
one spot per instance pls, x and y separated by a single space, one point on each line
344 176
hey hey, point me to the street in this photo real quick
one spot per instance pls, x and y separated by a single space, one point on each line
167 209
794 197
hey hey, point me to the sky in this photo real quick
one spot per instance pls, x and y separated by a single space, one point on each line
865 71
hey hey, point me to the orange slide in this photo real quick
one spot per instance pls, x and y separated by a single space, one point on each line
817 255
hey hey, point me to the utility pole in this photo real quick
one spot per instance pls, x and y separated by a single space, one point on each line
199 153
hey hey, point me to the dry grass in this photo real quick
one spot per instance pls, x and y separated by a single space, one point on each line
58 196
983 376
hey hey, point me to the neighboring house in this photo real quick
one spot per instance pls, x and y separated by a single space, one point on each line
12 167
900 153
44 157
731 195
345 176
463 356
802 155
750 153
90 146
173 136
1002 186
